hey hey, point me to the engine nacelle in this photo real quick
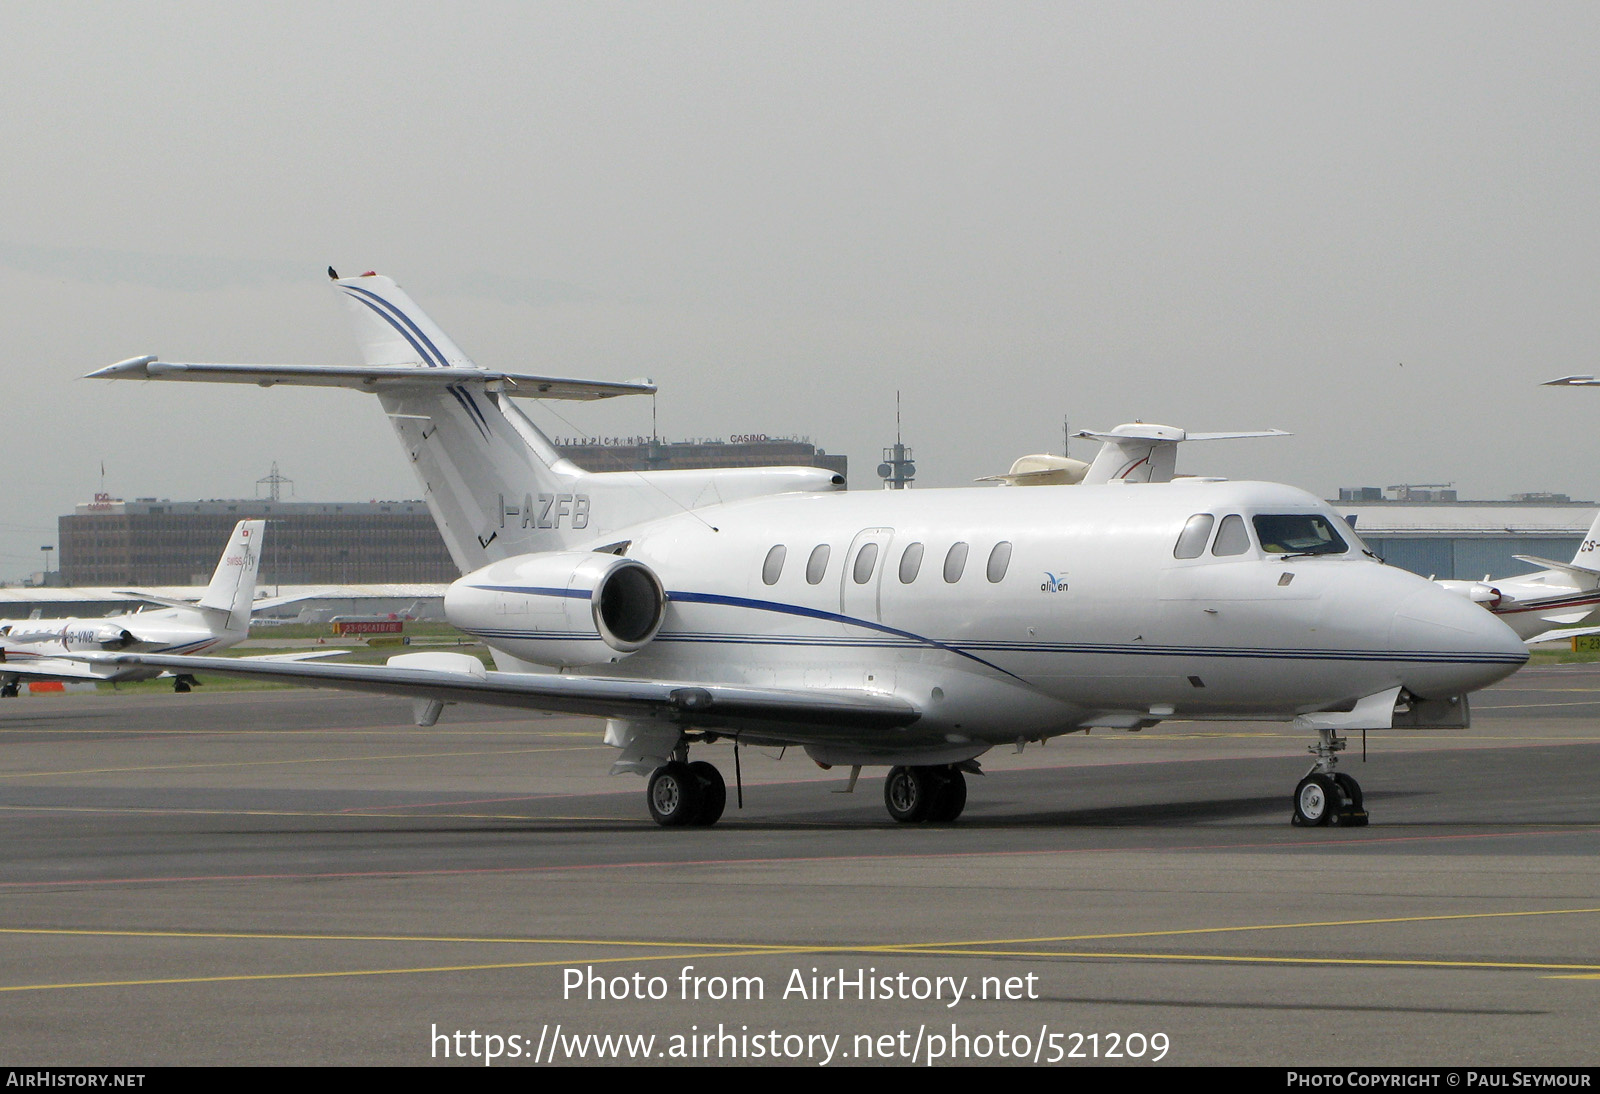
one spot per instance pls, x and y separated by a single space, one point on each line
565 608
97 636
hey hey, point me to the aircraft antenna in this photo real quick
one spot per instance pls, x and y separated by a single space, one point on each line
897 470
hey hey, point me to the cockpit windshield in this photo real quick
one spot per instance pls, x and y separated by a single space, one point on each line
1298 534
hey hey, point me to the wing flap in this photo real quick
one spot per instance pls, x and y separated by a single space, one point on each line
48 668
817 714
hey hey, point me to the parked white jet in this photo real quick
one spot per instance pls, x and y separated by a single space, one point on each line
916 629
40 649
1547 604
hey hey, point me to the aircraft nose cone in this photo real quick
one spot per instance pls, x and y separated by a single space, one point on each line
1452 644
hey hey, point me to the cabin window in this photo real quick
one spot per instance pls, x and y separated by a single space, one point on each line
999 559
773 567
1232 539
866 558
1298 534
817 564
910 563
955 562
1192 540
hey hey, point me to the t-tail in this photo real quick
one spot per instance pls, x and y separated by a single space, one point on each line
1584 569
226 605
496 485
233 583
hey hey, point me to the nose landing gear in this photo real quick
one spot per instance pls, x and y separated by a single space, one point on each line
1325 796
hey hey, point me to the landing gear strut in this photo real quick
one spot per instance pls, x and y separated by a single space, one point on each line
1325 796
682 793
913 794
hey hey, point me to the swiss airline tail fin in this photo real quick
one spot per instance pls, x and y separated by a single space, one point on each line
233 585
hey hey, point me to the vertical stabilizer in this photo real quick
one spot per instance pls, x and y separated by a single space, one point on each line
392 330
1588 556
495 484
1135 453
233 585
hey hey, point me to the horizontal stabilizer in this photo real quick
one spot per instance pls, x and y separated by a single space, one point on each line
166 601
1146 452
1042 470
371 378
1572 381
1551 563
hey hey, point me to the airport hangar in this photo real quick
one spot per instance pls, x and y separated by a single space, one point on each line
1466 540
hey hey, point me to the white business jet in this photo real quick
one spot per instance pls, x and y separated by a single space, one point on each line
1549 603
909 629
41 649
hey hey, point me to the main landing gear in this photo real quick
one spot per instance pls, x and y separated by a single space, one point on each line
1325 796
9 689
183 683
682 793
914 794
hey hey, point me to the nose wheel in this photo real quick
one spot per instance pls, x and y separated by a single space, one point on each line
1325 796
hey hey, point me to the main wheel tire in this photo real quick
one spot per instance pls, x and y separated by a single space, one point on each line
950 799
9 691
713 793
1352 814
908 793
1316 800
674 795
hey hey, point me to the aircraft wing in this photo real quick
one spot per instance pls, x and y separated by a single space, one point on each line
1561 632
370 377
794 715
49 668
301 655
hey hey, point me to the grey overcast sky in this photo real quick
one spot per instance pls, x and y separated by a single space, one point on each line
1373 224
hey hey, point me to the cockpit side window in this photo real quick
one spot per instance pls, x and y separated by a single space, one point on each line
1192 540
1298 534
1232 537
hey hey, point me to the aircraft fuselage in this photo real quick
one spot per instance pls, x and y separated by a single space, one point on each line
1031 612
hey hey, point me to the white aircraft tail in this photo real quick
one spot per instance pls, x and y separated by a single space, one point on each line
233 584
495 484
1588 557
1140 452
1584 569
